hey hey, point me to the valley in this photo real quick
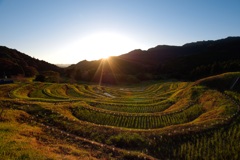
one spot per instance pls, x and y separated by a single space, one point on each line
157 120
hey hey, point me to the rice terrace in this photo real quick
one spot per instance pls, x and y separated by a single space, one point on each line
160 120
119 80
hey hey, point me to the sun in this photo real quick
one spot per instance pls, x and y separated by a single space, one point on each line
105 44
101 45
105 57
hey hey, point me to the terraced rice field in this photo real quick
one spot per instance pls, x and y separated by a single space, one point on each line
165 120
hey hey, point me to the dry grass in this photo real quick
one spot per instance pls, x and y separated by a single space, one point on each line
20 140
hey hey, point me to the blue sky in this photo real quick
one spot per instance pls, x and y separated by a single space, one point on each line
68 31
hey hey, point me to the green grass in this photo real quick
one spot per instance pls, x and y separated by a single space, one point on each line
139 121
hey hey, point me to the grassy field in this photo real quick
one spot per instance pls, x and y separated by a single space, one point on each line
161 120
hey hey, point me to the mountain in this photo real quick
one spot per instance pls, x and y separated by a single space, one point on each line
189 62
14 63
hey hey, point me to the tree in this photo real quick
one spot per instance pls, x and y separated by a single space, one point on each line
40 78
30 71
52 76
48 76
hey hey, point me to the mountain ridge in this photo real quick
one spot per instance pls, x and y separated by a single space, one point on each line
189 62
15 63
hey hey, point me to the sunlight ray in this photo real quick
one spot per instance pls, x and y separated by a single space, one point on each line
99 71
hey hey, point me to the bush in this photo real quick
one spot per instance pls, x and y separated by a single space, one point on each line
40 78
132 141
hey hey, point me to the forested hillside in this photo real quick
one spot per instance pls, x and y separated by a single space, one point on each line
188 62
14 63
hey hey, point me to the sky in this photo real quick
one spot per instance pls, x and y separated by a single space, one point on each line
69 31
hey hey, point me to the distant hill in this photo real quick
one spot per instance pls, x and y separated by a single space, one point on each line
62 65
188 62
13 63
191 61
